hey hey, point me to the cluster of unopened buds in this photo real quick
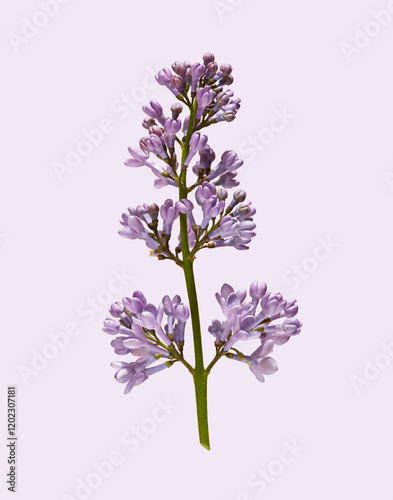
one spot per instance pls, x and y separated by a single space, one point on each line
213 218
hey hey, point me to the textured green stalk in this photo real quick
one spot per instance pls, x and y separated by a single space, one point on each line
200 377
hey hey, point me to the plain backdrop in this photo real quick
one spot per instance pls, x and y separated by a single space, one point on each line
324 179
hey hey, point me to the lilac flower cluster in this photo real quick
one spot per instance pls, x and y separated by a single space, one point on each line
206 82
230 225
213 104
267 317
137 325
208 103
223 173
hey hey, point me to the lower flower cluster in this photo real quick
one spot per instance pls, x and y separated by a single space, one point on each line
137 325
267 317
138 328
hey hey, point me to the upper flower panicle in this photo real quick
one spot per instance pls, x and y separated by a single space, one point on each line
202 84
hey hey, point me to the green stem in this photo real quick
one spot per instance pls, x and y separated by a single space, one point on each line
199 374
174 352
200 382
214 361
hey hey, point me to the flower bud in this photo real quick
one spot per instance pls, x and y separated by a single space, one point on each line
176 109
116 309
229 116
208 58
172 126
226 69
153 211
222 194
222 99
257 291
143 144
182 312
111 326
211 70
177 83
180 68
239 195
244 209
226 80
155 109
163 76
148 122
156 130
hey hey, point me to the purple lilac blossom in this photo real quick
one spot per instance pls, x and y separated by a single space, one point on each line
260 364
171 128
135 373
131 321
154 111
154 145
273 324
196 71
138 222
197 143
169 213
215 104
206 158
141 158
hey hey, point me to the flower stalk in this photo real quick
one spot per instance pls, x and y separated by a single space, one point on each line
199 375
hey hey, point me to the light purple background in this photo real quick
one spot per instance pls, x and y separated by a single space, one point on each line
327 175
